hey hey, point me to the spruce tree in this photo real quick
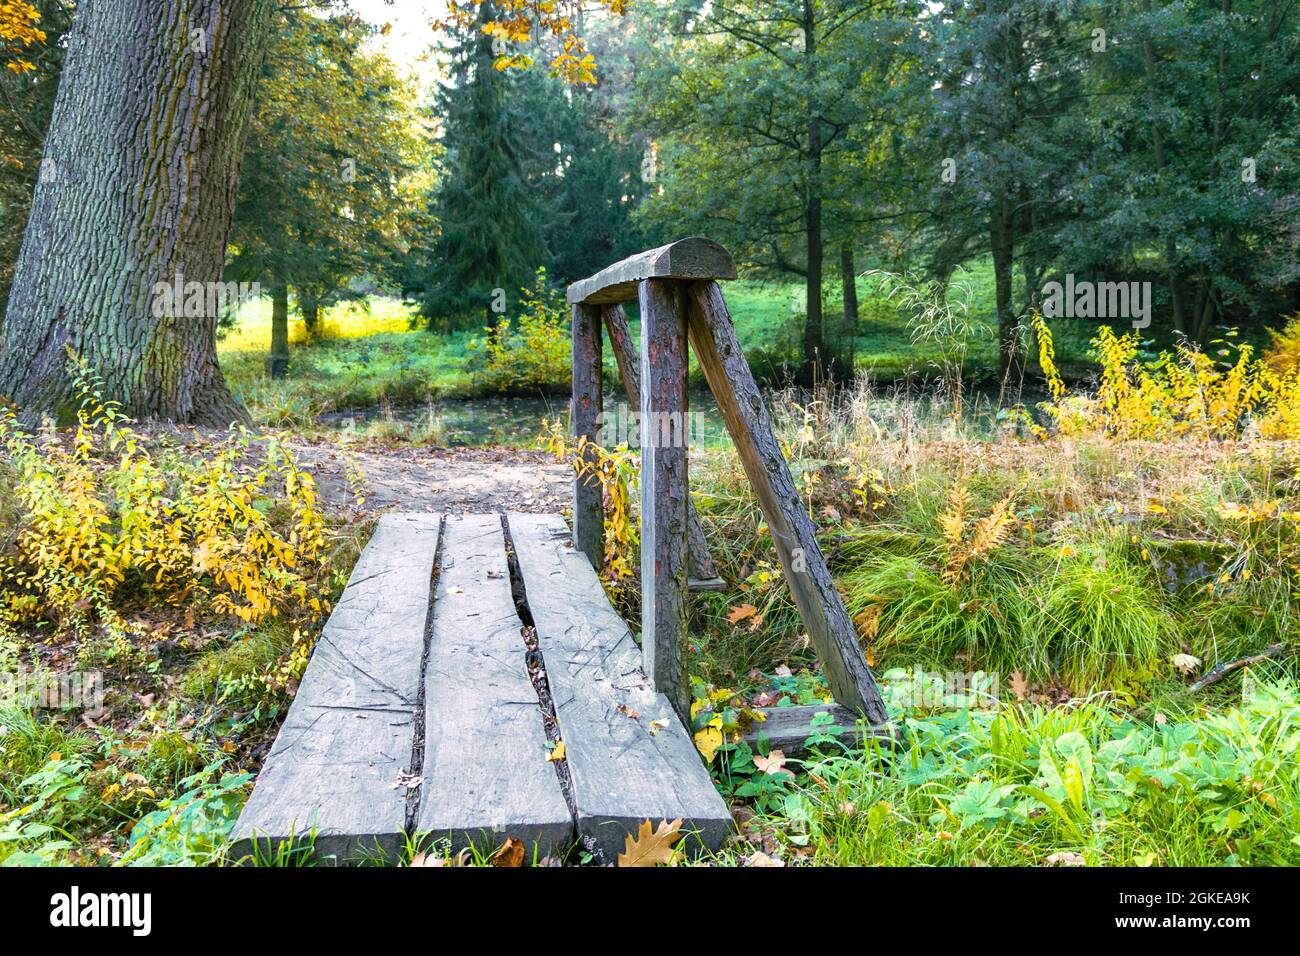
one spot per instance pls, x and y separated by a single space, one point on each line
489 217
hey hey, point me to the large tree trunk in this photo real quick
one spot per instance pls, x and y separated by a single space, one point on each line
278 365
140 177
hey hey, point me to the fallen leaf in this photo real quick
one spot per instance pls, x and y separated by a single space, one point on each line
742 612
1065 859
651 848
511 853
1019 686
657 725
627 711
557 752
1186 663
868 621
455 590
759 858
773 763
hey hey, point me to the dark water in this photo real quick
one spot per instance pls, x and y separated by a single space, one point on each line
517 421
464 422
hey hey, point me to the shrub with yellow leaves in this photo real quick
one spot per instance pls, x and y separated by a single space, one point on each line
1181 394
99 517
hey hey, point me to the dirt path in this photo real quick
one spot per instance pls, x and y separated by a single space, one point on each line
452 480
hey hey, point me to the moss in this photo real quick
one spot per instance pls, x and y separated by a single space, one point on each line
226 672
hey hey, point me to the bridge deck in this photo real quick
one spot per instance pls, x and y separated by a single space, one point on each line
462 650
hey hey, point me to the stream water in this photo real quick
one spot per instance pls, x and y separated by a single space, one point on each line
465 422
517 420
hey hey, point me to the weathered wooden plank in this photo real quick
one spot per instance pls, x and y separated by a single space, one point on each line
829 626
788 728
624 769
486 775
664 488
693 258
704 576
348 736
588 506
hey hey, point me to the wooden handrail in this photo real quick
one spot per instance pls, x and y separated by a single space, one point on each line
680 303
693 258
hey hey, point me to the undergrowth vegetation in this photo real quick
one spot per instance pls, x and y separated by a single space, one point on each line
182 582
1088 558
1028 784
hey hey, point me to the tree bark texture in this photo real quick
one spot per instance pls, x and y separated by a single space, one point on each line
138 187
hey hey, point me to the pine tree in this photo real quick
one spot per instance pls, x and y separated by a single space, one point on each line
489 217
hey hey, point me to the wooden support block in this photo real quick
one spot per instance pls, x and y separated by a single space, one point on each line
664 488
703 573
339 761
693 258
829 626
486 775
788 728
624 768
588 507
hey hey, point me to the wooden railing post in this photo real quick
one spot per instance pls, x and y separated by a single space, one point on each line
664 487
703 574
677 286
588 509
717 349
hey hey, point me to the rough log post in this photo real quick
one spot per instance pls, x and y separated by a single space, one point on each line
704 575
664 487
829 626
693 258
588 509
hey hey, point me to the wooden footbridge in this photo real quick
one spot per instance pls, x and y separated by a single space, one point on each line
474 683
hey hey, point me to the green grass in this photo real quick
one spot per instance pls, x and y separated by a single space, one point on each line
369 355
224 673
1030 785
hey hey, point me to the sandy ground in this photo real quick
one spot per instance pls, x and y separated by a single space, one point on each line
451 480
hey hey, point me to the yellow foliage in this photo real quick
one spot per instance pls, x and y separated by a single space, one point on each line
969 541
19 29
530 353
99 516
1181 394
527 21
617 473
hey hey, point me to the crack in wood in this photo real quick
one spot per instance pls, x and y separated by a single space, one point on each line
536 665
416 766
